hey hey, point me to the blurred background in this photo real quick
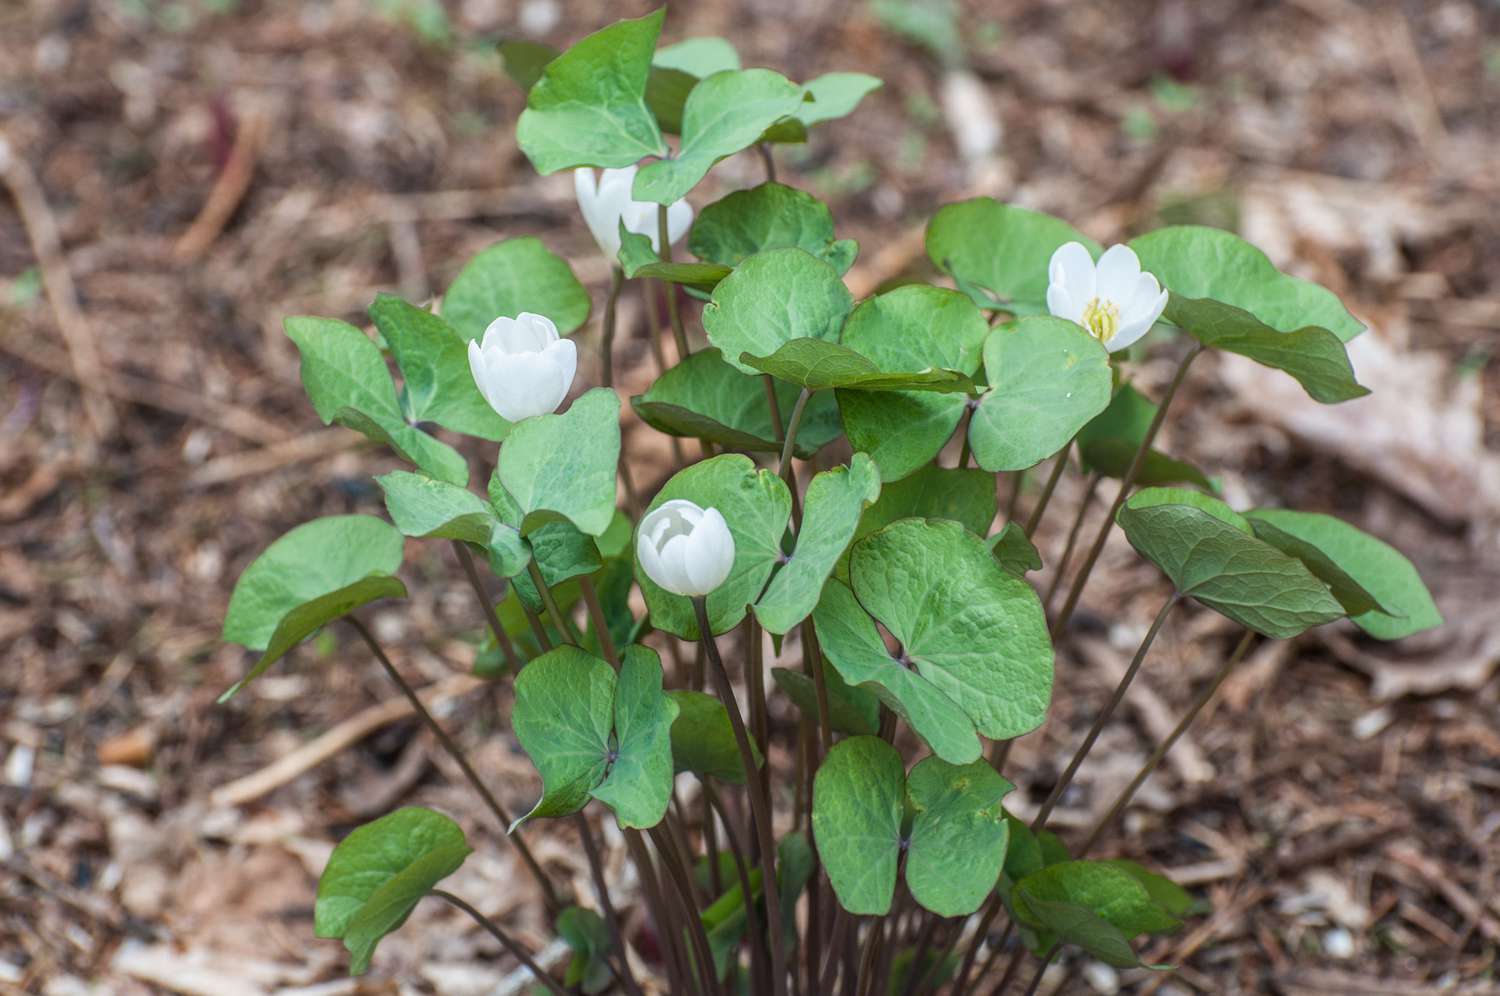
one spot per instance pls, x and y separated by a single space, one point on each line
181 174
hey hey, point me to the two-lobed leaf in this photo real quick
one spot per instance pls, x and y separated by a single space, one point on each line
510 277
772 298
999 247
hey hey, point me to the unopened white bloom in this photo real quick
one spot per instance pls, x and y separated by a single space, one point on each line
1112 299
686 549
606 201
522 366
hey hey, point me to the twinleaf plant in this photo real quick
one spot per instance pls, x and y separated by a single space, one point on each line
830 523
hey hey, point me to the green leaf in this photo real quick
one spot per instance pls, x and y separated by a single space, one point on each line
378 873
1231 572
966 496
564 465
724 113
858 803
705 398
958 835
589 107
699 57
313 574
853 646
770 216
1149 497
508 278
1048 378
975 631
756 505
432 456
902 431
1107 891
851 710
1068 923
833 504
703 739
1163 891
434 362
1000 247
525 60
1023 853
1108 444
639 784
772 298
638 259
421 507
588 936
1014 549
817 365
1228 295
1352 562
563 714
667 91
835 95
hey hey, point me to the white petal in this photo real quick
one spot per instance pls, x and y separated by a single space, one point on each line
679 220
519 386
498 335
645 551
1063 303
479 370
1073 268
713 545
543 330
675 577
1139 323
640 218
1141 300
585 187
1116 275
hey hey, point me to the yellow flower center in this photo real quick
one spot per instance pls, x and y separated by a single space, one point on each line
1102 318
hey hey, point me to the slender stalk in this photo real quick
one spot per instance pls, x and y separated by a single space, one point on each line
841 921
1076 591
596 614
703 953
916 976
758 950
1017 485
1073 531
448 744
1203 699
991 910
505 940
1047 489
964 452
669 938
784 466
1011 968
607 333
1000 753
769 160
1041 970
1104 715
755 680
773 406
673 313
994 955
760 810
601 892
537 629
502 638
550 603
812 663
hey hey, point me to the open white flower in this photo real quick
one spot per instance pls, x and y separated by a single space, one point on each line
522 366
605 201
686 549
1113 299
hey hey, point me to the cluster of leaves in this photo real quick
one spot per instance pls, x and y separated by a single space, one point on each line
890 548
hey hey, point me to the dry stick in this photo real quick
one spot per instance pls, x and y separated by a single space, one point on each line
601 626
760 811
1047 489
1114 701
505 941
1120 803
1076 591
502 638
553 904
670 939
758 966
550 603
607 330
601 890
703 953
1077 527
679 334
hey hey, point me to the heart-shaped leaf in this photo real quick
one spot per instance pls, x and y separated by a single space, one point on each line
832 508
639 784
1108 444
589 106
439 386
851 710
756 506
770 216
966 496
1380 589
564 465
422 508
859 798
508 278
958 834
1093 904
703 739
1218 562
772 298
724 113
705 398
817 365
1048 378
378 874
999 247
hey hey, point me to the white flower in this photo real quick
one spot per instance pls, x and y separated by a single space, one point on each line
686 549
606 202
522 366
1112 299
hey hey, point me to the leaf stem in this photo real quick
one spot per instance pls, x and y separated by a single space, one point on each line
813 665
703 953
1136 462
758 950
773 406
1041 970
601 626
769 160
548 892
1041 504
673 313
1104 715
669 938
1011 968
784 467
601 891
607 331
502 638
759 800
1203 699
991 910
1073 531
1017 485
549 602
505 940
537 629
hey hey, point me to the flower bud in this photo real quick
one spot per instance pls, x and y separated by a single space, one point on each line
522 367
1113 300
685 549
607 202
